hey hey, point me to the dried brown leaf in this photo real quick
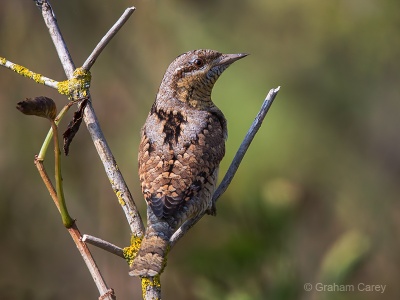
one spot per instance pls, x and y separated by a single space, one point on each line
39 106
73 126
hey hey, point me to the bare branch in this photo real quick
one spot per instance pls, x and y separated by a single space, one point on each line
105 292
107 246
77 238
58 40
234 165
246 143
106 39
113 173
47 182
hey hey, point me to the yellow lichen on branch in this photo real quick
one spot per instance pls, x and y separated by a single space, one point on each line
78 85
131 251
151 286
120 198
21 70
150 283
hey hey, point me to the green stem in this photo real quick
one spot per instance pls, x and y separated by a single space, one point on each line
47 140
67 220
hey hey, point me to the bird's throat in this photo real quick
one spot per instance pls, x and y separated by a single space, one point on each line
196 96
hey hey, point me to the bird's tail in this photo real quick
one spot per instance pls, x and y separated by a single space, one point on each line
151 257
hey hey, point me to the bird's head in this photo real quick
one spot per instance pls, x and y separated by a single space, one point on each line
192 75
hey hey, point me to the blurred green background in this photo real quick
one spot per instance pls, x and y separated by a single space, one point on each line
314 201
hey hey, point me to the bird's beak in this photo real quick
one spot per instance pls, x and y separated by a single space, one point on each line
227 59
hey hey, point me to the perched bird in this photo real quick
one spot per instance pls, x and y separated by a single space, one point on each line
182 144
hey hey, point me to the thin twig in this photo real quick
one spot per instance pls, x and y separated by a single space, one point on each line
246 143
234 165
58 40
105 292
28 73
106 39
77 238
107 246
47 182
114 175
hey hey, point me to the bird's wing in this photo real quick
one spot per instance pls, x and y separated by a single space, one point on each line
172 172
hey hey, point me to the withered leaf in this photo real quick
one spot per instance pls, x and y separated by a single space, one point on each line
39 106
73 126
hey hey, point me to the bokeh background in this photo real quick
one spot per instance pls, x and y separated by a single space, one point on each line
316 199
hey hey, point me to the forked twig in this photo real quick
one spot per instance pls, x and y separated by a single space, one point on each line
77 238
116 179
120 189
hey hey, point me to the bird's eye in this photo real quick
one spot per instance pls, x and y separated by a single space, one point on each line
198 62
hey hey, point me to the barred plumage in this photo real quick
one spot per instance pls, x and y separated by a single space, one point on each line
183 142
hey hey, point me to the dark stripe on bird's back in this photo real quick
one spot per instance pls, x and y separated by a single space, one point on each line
172 126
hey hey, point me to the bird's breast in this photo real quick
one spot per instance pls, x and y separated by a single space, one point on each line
175 128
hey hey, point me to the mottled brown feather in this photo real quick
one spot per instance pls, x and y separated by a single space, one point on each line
183 142
175 170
